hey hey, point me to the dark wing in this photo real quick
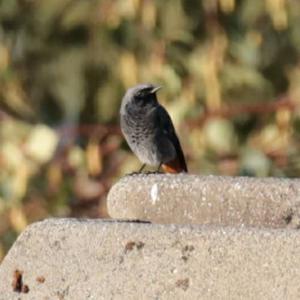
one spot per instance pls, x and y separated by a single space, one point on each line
166 124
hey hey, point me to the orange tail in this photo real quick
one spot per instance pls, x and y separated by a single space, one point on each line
175 166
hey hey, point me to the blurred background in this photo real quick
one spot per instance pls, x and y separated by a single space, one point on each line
231 76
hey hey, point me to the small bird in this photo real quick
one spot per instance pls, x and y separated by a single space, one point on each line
149 131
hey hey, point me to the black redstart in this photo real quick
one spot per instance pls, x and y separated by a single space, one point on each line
149 131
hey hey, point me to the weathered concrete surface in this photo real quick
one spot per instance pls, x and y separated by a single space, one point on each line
191 199
121 260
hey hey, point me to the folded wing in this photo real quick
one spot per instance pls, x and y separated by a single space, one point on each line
178 164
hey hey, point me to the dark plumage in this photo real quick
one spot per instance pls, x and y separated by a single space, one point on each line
149 130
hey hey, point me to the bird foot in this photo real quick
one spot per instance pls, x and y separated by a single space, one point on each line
145 173
133 173
153 172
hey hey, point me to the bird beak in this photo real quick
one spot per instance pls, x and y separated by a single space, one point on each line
155 89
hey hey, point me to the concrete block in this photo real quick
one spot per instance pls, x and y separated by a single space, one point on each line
94 259
192 199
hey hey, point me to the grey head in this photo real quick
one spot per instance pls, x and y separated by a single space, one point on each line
140 96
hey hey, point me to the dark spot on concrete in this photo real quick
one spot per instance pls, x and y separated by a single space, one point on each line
62 294
184 258
139 245
183 283
288 217
131 245
56 244
25 289
186 250
17 281
40 279
17 284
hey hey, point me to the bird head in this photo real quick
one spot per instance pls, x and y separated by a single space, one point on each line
141 95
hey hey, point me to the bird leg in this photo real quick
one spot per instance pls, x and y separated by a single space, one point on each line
141 169
137 172
157 171
147 173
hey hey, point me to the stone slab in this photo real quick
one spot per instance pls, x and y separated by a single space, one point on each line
192 199
94 259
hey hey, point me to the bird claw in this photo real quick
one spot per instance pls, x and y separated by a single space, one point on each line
145 173
153 172
133 173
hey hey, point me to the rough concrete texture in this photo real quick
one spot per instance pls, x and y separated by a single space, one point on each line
191 199
73 259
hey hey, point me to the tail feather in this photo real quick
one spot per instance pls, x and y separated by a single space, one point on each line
177 165
174 167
